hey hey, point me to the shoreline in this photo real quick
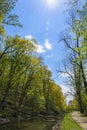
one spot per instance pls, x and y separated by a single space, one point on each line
55 118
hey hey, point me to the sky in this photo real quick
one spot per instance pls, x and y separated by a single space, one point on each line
44 20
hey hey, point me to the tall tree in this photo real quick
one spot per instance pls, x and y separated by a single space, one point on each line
76 43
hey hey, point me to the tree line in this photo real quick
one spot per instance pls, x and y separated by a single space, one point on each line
26 84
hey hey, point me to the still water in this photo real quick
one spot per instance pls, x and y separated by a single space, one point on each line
29 125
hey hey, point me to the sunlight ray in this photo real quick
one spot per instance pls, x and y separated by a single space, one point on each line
52 3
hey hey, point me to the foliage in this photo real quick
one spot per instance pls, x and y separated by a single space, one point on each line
6 6
72 105
84 100
80 30
76 42
28 87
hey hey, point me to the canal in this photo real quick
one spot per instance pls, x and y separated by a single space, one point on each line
38 124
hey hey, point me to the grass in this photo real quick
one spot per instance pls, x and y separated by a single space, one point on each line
69 124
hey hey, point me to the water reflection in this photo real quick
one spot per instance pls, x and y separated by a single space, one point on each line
29 125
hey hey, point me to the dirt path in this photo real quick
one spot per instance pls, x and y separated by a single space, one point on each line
82 121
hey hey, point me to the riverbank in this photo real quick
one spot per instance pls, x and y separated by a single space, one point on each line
4 121
40 122
29 117
82 121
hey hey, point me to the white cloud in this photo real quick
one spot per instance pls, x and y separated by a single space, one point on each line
39 48
48 44
29 37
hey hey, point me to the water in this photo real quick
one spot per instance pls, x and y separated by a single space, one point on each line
29 125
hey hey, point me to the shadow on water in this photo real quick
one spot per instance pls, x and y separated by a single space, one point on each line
29 125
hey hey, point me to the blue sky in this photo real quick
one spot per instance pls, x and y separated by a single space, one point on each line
44 23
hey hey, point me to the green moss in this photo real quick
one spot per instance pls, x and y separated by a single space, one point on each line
69 124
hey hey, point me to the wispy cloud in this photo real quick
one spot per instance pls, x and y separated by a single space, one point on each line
29 37
41 48
48 45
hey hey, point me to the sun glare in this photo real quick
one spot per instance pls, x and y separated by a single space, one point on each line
52 3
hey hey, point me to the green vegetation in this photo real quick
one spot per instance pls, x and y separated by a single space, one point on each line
75 40
26 86
69 124
72 105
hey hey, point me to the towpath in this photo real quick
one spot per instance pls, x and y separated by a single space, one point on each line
82 121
